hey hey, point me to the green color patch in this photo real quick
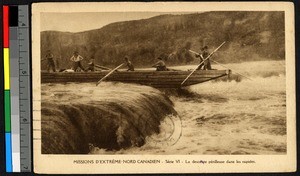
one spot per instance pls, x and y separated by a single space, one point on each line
7 111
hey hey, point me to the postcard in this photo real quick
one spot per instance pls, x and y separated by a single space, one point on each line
163 87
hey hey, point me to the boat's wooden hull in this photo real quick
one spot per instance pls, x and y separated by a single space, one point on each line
162 79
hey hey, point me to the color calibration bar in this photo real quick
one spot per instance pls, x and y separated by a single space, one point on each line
8 147
16 88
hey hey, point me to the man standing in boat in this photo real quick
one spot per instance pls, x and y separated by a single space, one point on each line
129 64
160 65
50 61
205 54
201 60
76 58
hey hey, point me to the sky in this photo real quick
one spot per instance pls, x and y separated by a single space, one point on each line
83 21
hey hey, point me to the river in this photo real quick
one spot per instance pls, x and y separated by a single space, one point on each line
214 118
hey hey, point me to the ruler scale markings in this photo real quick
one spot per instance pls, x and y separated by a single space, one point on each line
24 86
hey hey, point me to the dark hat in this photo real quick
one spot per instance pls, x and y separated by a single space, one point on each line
160 58
205 47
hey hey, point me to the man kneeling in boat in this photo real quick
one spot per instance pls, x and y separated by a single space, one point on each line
160 65
91 66
129 64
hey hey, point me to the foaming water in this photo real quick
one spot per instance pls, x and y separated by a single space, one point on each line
76 118
248 117
228 117
219 117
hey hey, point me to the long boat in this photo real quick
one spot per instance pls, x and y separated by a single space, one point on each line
157 79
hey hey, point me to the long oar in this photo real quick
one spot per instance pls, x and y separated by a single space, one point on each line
109 74
102 67
231 69
201 62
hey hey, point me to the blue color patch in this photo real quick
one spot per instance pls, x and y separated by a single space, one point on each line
8 152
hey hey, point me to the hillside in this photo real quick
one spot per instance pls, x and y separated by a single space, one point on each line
249 36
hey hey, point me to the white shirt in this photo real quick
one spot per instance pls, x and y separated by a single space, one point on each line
76 59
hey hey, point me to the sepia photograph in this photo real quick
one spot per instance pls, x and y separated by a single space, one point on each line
129 82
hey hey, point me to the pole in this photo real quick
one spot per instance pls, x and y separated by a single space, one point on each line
201 62
109 74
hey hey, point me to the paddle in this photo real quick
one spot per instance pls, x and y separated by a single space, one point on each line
201 62
109 74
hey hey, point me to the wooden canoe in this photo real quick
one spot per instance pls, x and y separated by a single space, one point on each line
158 79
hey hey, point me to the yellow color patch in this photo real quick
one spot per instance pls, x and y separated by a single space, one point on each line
6 69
